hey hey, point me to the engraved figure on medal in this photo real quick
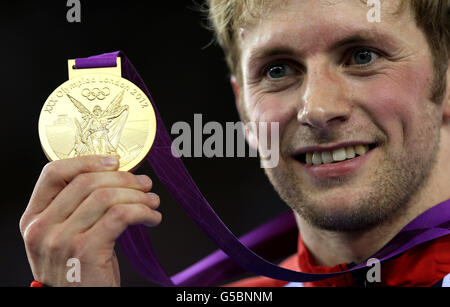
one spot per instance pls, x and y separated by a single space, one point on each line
100 131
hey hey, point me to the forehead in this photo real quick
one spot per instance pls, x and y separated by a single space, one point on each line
311 24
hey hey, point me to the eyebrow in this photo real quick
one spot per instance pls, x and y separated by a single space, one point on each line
260 54
365 37
360 37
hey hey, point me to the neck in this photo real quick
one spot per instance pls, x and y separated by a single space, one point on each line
330 248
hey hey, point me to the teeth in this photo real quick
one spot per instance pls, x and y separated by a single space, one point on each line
327 157
350 152
309 158
337 155
361 149
316 158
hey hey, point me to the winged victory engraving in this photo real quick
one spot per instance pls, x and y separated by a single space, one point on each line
100 130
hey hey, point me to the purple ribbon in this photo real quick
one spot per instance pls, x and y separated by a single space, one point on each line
236 256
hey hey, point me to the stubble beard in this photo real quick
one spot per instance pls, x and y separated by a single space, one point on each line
398 177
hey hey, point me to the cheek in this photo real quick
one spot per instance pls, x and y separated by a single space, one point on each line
271 108
398 103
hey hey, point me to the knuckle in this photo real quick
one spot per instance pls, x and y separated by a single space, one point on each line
23 223
89 161
103 195
118 214
55 243
51 170
125 178
142 210
140 197
82 181
33 233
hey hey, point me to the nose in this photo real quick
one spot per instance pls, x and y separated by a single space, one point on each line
324 102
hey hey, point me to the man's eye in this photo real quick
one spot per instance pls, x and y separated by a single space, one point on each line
278 71
363 57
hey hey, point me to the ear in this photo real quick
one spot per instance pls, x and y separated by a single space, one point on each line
447 96
237 93
250 134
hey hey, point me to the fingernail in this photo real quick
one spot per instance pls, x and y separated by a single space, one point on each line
143 179
154 198
156 222
109 161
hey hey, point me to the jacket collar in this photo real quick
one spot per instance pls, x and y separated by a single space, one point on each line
422 265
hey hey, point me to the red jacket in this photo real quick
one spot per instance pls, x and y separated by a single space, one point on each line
425 265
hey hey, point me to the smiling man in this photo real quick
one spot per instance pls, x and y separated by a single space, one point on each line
363 109
364 126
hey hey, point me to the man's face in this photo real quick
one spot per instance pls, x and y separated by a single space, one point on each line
339 85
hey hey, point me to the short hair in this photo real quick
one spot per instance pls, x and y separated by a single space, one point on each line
431 16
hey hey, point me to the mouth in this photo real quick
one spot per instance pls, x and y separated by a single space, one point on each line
337 154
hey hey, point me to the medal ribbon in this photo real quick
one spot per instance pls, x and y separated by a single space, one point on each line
219 266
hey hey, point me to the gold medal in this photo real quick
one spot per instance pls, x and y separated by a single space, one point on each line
98 112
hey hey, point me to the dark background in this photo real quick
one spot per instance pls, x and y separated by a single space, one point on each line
167 43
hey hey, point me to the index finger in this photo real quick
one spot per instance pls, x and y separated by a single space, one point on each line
57 174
